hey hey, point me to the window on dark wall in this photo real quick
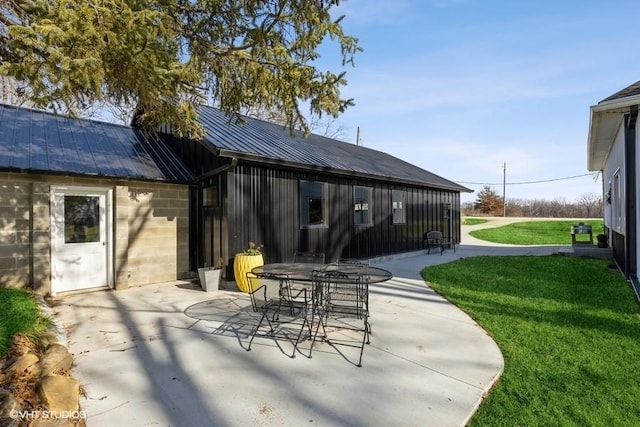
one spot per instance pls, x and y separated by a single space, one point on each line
362 206
210 196
313 204
398 207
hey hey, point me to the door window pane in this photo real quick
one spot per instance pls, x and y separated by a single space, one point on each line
81 219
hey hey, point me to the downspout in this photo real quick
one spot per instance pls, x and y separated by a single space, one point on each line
219 170
631 185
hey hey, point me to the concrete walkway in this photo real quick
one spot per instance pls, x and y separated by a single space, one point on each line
173 355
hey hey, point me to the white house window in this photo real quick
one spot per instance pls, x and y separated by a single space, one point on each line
313 204
398 210
616 202
362 206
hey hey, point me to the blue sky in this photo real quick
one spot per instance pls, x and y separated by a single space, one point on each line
461 87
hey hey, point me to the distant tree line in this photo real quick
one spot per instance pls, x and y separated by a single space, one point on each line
489 202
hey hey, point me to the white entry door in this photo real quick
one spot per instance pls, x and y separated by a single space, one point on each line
80 238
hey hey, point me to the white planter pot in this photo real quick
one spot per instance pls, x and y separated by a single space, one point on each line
209 278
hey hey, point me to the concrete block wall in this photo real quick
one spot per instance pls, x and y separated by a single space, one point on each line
158 233
15 231
150 233
121 236
41 237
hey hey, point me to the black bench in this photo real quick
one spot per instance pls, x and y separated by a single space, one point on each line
435 239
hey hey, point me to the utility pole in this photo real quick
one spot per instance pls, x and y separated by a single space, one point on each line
504 187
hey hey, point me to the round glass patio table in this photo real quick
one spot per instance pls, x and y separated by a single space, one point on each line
303 272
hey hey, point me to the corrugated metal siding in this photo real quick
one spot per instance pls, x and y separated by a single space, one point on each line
259 205
273 142
619 251
263 207
37 141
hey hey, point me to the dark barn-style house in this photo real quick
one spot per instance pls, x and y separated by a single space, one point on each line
117 207
259 183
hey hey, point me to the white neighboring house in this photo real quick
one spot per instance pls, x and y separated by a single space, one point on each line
613 150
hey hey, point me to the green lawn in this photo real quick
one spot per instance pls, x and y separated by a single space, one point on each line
20 314
475 221
536 232
569 330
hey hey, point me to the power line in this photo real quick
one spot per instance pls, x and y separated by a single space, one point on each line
594 175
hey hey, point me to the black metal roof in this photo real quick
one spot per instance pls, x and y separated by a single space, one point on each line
38 141
630 90
269 142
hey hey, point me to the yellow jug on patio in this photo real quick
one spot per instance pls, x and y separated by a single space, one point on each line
242 264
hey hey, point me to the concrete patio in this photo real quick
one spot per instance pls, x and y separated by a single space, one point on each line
172 354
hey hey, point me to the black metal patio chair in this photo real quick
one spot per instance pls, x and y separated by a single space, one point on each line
435 239
286 314
362 262
341 303
306 258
